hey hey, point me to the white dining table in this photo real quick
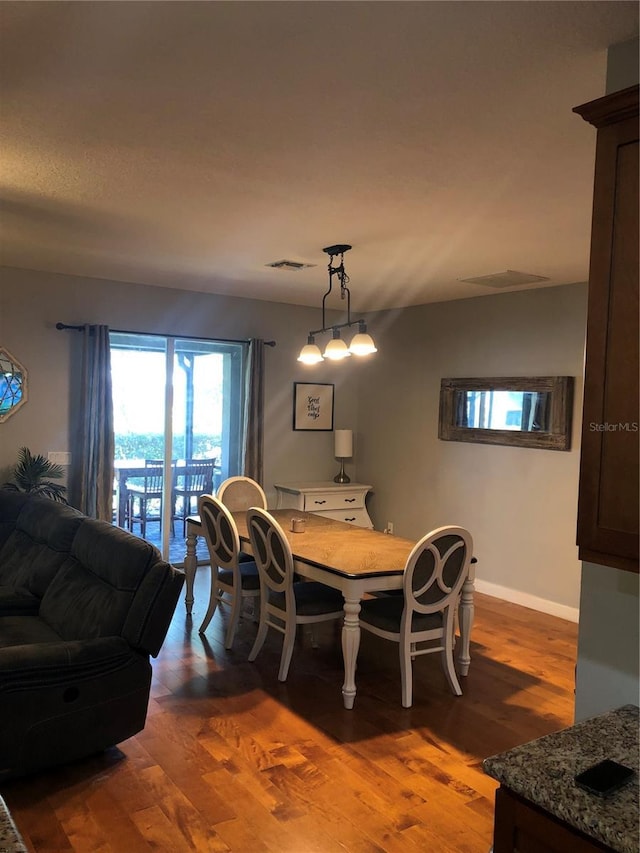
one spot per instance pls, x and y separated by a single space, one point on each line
354 560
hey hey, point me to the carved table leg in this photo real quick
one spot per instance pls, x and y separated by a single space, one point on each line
190 566
350 646
466 622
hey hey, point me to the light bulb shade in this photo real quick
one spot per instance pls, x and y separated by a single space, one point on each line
336 349
343 443
362 344
310 354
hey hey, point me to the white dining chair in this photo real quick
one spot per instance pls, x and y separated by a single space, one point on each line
422 620
232 582
285 603
240 493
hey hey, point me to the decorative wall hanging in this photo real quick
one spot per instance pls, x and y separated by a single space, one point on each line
13 384
312 406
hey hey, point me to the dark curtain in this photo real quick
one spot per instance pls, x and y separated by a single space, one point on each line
253 437
92 479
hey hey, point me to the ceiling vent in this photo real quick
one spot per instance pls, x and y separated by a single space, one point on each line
509 278
292 266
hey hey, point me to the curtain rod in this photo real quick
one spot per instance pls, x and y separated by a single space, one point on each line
61 326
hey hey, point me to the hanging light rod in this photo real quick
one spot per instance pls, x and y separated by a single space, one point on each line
361 344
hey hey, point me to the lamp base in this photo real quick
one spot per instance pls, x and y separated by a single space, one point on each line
341 477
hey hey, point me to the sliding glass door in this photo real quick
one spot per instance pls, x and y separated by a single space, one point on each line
178 416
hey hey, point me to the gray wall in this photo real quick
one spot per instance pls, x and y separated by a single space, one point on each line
519 503
607 670
31 303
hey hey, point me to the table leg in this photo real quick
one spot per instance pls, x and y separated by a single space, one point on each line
350 646
466 622
190 566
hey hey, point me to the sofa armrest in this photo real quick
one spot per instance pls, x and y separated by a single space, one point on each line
47 664
152 608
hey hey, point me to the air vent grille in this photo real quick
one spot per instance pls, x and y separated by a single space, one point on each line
292 266
509 278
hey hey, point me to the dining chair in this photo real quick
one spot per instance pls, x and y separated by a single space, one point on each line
191 480
238 494
423 619
232 582
284 603
141 491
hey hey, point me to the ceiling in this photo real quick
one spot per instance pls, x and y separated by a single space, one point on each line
188 145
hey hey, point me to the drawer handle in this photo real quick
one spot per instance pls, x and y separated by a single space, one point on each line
319 502
353 518
349 500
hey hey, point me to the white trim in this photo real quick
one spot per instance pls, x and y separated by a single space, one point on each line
515 596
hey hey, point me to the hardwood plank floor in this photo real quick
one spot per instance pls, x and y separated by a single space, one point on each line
232 760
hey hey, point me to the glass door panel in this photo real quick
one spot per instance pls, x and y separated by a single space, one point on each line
178 415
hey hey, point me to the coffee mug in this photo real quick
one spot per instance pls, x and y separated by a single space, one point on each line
297 525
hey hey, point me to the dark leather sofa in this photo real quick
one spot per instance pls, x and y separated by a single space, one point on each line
83 606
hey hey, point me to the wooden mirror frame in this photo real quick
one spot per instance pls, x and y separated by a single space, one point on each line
558 437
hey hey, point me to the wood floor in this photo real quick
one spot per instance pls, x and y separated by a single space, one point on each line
232 760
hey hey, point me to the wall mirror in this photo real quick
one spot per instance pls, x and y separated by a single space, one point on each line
521 411
13 384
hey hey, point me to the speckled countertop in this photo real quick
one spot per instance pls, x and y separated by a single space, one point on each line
10 840
543 771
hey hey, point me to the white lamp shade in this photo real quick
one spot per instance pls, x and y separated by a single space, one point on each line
343 443
362 344
310 354
336 349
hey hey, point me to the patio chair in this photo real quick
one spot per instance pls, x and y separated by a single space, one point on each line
191 480
142 490
422 620
284 604
232 582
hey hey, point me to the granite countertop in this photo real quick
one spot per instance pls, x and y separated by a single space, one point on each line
543 771
10 840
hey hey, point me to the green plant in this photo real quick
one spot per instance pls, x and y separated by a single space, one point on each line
29 475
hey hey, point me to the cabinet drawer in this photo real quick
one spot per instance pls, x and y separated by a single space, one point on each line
359 517
321 501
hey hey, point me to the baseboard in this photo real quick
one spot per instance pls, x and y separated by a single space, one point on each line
515 596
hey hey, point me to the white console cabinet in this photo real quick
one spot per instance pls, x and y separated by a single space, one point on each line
343 502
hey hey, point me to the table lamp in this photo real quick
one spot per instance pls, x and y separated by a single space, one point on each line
343 449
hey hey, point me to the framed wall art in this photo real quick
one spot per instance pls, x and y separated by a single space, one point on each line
312 406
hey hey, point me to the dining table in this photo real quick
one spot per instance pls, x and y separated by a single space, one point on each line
357 561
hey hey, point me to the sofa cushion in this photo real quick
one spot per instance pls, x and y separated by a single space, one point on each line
10 505
25 631
39 544
92 592
15 600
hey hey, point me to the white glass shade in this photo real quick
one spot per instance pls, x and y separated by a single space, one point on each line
336 349
310 354
343 443
362 344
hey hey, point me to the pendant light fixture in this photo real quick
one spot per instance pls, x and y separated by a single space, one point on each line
336 348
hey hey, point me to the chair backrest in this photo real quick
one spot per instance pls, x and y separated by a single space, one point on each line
153 475
195 476
272 553
436 569
220 532
240 493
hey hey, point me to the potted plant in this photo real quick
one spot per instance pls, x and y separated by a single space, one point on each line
35 474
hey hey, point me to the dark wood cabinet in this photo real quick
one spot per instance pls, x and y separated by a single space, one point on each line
521 827
608 509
